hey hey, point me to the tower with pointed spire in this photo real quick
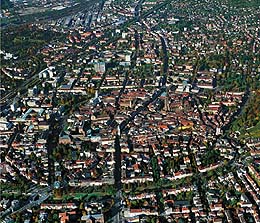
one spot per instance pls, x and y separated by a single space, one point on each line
166 101
96 94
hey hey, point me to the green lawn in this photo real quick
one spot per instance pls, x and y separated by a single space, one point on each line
80 196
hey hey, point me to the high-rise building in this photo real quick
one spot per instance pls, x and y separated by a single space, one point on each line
100 67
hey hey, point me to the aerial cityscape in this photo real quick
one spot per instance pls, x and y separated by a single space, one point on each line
124 111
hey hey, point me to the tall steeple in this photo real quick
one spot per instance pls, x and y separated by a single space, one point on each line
118 131
96 94
166 101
